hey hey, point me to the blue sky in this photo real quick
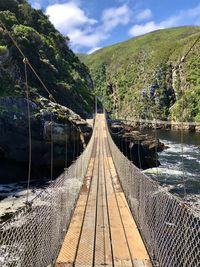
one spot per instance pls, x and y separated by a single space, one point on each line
92 24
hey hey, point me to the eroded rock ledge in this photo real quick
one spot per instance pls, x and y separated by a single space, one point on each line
139 148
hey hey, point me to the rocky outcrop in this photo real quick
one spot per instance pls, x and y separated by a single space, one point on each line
70 133
161 92
140 149
165 125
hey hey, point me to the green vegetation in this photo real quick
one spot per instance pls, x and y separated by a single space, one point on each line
60 69
138 78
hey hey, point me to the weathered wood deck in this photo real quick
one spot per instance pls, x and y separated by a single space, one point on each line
102 230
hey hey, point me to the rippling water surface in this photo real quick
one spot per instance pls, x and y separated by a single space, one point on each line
180 173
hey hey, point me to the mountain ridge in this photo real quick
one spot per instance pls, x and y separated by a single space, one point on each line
139 75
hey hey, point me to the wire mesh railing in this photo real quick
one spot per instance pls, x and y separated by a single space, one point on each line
170 229
33 236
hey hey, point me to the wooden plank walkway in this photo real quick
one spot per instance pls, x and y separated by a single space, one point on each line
102 230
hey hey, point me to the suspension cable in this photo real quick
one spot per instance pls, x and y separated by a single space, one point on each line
187 53
25 61
11 37
28 63
51 97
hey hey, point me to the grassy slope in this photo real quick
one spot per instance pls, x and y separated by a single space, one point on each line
129 67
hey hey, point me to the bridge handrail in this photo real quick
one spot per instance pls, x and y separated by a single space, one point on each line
169 228
33 236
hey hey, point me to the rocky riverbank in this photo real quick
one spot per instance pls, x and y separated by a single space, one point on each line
139 148
69 132
165 125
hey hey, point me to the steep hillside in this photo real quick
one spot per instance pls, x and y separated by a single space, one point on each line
138 78
66 78
60 69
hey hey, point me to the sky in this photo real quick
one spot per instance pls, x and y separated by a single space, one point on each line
93 24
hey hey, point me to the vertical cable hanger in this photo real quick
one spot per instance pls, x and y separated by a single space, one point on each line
183 165
182 150
74 147
66 145
154 248
139 144
52 156
78 140
156 145
25 61
76 151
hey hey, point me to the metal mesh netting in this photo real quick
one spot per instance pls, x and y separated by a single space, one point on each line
33 237
170 229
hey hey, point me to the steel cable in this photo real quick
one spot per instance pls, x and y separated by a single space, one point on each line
25 61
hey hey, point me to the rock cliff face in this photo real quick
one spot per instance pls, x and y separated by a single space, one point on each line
69 133
140 149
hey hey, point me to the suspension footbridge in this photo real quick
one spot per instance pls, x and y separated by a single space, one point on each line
102 231
102 211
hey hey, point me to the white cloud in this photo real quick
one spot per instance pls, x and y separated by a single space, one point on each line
81 38
184 17
71 20
82 30
93 50
144 28
68 16
144 14
113 17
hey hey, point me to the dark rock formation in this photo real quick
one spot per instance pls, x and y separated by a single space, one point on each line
70 133
140 149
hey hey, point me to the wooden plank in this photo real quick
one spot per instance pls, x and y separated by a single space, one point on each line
69 247
142 263
99 257
121 255
134 241
103 254
85 250
138 250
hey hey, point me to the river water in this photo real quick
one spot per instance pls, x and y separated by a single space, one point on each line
179 173
13 196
